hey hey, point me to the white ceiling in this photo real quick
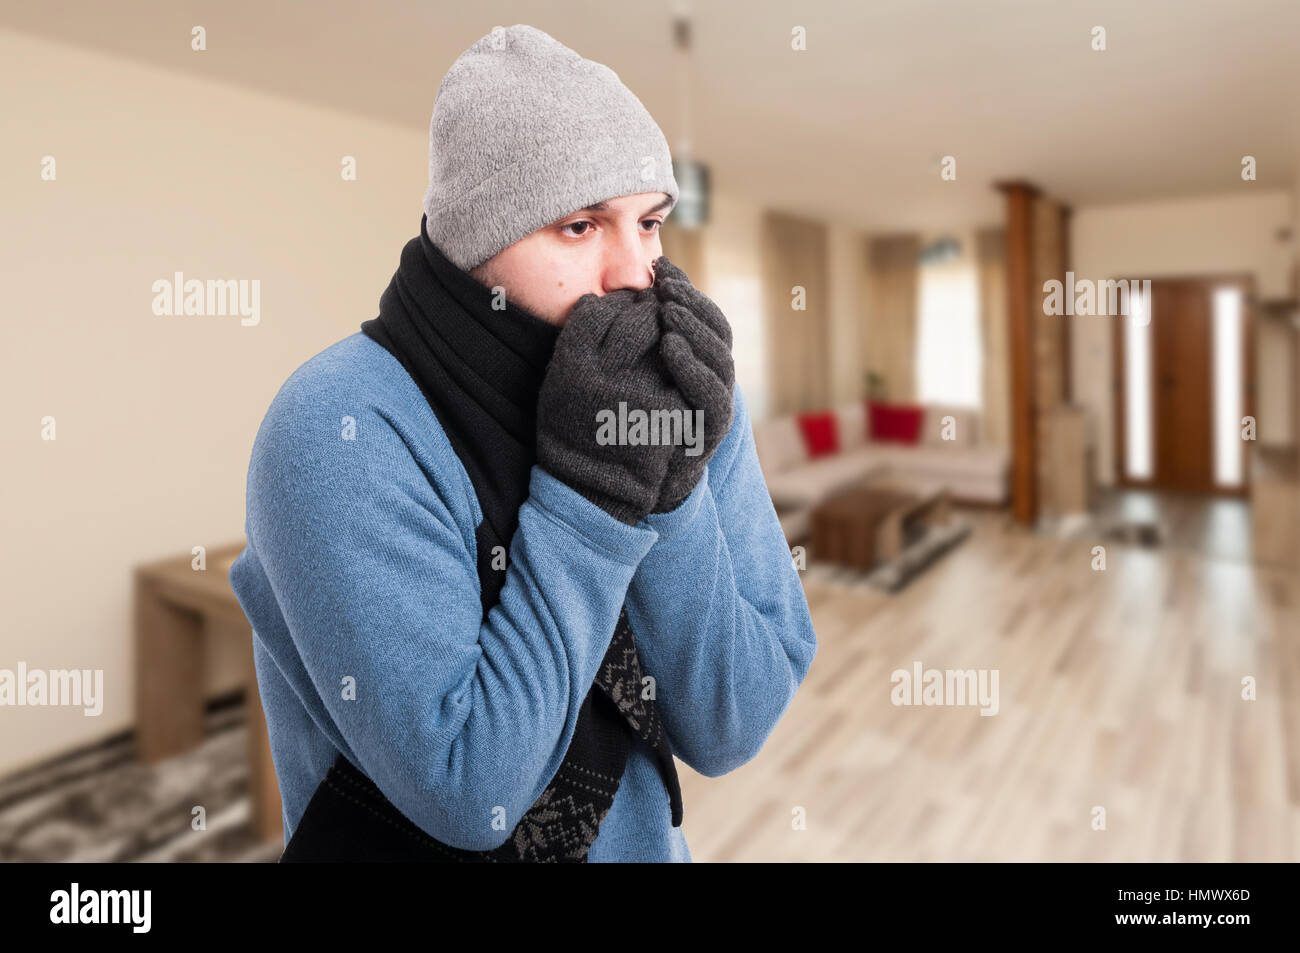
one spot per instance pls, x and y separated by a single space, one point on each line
850 130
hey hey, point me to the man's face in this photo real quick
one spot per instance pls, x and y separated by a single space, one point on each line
602 248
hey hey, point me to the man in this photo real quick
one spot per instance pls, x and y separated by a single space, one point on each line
509 547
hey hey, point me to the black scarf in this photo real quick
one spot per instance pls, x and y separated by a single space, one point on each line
481 370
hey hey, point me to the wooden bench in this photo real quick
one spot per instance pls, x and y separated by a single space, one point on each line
174 604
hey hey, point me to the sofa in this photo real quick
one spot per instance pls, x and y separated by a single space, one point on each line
808 457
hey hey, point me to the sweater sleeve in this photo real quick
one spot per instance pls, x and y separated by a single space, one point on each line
722 621
364 544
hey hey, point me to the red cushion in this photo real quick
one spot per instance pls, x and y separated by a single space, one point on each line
897 423
820 435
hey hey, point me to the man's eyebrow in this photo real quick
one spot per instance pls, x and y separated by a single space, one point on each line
604 206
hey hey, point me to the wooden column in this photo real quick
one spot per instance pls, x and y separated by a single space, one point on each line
1067 332
1021 308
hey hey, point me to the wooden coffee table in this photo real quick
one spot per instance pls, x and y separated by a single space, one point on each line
871 523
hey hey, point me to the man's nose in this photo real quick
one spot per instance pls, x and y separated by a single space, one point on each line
626 266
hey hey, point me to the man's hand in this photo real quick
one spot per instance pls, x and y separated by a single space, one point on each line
608 352
696 350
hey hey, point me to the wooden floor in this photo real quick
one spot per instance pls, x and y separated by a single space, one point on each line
1218 527
1118 690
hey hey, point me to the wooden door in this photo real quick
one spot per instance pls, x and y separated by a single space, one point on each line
1182 408
1181 382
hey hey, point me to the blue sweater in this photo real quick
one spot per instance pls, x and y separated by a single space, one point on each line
359 580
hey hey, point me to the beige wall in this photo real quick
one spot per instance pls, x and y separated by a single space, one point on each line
158 172
1232 233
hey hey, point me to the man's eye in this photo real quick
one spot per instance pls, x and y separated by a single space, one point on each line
584 226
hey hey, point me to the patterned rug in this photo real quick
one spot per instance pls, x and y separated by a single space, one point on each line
100 804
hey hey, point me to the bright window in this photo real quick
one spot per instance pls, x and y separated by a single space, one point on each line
1227 386
949 363
1137 388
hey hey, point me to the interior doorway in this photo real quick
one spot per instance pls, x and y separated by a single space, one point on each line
1184 381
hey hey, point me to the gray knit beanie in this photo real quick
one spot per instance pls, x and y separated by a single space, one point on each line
526 131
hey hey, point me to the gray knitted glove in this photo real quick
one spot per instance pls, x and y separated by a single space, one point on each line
607 352
696 349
